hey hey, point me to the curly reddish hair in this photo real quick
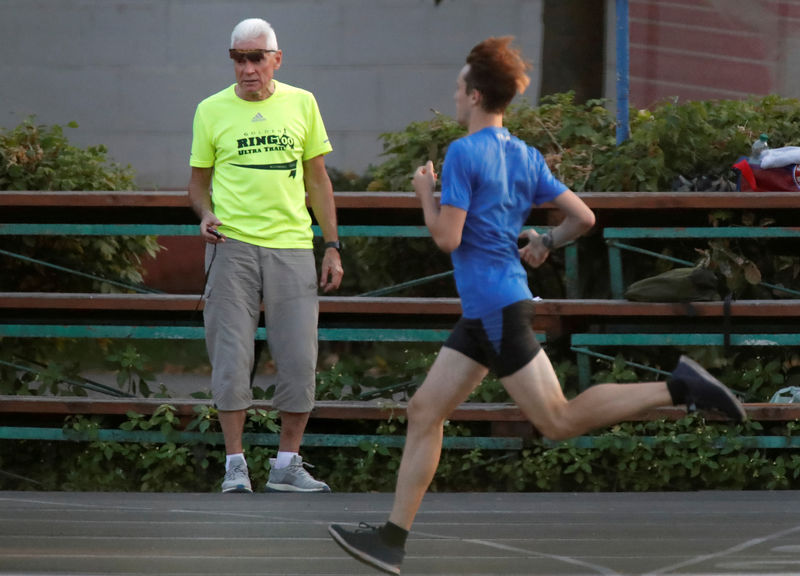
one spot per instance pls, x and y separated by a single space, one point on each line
498 71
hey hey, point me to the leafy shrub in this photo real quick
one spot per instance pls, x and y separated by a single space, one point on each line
673 139
36 157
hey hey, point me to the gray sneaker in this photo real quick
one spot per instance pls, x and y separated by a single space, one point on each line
365 544
237 479
293 478
704 392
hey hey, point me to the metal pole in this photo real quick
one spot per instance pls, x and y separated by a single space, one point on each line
623 79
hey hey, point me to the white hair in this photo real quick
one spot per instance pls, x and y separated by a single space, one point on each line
254 28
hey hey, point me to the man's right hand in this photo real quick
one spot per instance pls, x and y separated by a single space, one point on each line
208 228
424 180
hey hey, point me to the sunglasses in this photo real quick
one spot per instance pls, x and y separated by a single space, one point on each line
253 56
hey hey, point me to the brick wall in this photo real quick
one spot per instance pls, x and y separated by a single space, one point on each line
711 49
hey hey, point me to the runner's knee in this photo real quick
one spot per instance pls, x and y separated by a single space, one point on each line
421 413
555 424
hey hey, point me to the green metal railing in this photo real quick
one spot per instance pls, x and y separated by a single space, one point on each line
613 237
253 439
581 343
58 229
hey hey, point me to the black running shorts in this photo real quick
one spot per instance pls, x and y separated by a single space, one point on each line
516 346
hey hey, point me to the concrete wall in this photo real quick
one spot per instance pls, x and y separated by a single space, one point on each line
130 72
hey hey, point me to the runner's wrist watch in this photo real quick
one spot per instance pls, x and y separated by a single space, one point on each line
334 244
547 240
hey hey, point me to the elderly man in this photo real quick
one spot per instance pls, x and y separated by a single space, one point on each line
260 145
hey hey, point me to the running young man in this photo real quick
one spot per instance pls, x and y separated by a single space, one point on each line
490 181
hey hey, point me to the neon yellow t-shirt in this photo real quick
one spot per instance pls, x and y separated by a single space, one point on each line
257 151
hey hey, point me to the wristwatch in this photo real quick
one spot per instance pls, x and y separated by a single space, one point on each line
334 244
547 240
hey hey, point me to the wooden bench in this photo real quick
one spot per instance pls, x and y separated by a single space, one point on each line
611 323
177 316
509 426
32 209
553 316
21 314
387 214
598 201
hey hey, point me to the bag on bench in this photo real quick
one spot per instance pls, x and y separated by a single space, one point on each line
788 395
754 178
676 285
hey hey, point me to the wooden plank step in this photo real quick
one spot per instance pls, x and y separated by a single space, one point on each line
340 409
403 305
407 200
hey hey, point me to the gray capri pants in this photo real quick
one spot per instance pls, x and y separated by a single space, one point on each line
241 276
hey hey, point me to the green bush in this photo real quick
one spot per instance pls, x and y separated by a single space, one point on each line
39 158
690 139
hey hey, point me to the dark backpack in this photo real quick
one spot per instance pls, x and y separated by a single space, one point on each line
676 285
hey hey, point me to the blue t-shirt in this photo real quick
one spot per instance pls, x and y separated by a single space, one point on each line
496 178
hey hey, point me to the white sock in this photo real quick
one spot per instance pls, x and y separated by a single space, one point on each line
284 459
231 457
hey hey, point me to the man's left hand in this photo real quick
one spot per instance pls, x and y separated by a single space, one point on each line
534 253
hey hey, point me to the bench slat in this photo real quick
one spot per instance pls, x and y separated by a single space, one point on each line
403 305
173 332
630 233
190 302
407 200
341 409
683 339
58 229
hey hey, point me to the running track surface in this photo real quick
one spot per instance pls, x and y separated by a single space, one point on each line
708 533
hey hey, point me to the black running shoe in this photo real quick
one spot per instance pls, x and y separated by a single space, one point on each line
704 392
364 543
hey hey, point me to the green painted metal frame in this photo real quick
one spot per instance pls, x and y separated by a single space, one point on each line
746 442
79 382
249 438
580 344
127 286
198 333
613 236
357 440
58 229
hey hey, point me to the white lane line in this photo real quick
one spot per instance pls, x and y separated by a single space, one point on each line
212 513
566 559
111 507
762 564
721 554
522 551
